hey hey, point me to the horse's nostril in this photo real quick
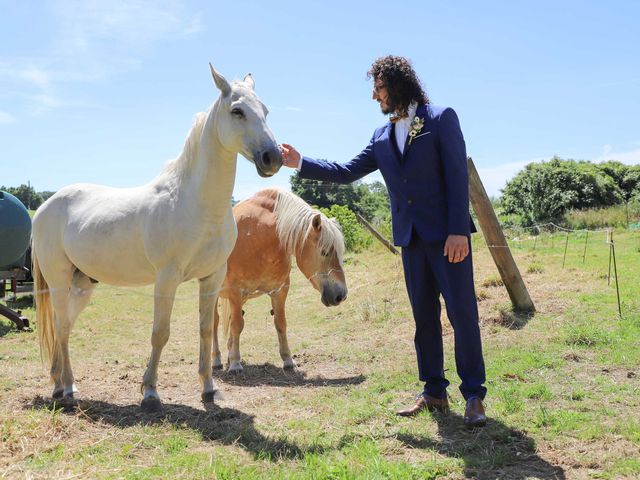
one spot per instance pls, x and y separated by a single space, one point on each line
266 158
339 298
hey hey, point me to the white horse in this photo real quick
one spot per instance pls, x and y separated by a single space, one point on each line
177 227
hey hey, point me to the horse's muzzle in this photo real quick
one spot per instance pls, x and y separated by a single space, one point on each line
268 162
333 295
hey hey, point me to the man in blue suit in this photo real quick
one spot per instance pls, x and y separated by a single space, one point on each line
421 155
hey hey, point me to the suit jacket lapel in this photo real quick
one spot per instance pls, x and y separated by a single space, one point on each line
394 144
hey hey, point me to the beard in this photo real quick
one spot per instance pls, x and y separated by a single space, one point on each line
387 107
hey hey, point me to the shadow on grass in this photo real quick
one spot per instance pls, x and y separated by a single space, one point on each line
495 451
512 319
268 374
225 425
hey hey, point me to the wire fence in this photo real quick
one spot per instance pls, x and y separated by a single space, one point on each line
547 237
552 238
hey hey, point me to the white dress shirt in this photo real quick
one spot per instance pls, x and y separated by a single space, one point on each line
402 126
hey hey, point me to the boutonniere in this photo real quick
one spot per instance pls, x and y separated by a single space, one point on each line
414 129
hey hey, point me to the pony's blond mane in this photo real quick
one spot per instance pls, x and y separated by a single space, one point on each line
293 217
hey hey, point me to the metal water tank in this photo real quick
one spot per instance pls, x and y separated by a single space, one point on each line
15 232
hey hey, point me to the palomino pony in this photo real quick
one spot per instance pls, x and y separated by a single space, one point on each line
273 225
175 228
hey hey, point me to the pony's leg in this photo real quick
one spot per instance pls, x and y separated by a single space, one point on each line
236 327
278 300
216 356
209 288
167 282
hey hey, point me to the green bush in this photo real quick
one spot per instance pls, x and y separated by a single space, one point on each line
355 237
544 192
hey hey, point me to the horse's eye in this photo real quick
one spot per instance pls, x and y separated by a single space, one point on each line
325 253
237 112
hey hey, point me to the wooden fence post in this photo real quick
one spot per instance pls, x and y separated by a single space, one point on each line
497 243
376 234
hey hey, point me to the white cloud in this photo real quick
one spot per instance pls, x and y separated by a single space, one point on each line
195 26
125 26
36 76
495 178
630 157
43 103
93 41
6 118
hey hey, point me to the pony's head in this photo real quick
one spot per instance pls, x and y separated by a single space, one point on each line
241 124
320 259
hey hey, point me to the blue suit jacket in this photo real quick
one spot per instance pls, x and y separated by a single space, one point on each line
428 185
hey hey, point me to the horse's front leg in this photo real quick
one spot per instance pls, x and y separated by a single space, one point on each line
167 282
209 290
278 300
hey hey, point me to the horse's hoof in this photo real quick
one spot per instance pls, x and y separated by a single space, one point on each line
151 404
289 364
207 397
67 402
57 394
217 366
234 367
235 371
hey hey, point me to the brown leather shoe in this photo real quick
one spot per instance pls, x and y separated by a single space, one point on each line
425 402
474 413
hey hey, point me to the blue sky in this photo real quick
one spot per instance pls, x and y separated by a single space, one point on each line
106 91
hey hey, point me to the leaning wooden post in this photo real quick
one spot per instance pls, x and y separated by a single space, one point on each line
497 243
376 234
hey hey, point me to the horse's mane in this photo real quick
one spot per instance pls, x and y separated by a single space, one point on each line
189 153
293 217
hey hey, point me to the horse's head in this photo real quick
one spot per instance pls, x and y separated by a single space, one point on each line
320 259
241 122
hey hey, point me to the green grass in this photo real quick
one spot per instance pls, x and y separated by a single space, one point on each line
563 384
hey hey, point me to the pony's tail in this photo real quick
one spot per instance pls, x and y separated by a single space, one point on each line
225 314
44 313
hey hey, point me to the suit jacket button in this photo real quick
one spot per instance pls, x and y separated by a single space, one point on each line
409 202
404 180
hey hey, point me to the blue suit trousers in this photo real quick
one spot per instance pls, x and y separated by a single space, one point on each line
429 274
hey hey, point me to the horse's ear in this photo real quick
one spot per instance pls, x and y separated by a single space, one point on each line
248 79
220 82
317 222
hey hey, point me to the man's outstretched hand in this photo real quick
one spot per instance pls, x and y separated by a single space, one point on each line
290 156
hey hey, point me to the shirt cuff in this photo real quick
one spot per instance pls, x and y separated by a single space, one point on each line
299 166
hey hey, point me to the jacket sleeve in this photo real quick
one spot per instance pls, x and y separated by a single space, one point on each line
363 164
456 176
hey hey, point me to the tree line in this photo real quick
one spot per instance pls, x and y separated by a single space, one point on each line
547 191
542 192
27 195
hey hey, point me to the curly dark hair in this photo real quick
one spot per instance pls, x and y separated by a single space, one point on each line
401 80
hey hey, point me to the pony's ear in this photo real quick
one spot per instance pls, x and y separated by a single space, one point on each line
317 222
220 82
248 79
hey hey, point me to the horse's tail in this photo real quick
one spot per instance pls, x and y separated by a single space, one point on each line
44 312
225 314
